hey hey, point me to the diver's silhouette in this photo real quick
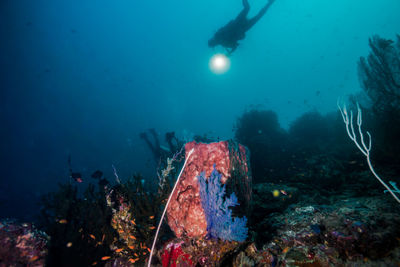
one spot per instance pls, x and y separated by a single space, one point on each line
156 147
229 35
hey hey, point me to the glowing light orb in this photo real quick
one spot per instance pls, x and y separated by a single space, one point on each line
219 63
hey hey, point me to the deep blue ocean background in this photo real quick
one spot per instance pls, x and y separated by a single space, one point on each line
84 78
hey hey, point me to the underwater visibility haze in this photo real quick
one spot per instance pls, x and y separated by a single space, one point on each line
101 102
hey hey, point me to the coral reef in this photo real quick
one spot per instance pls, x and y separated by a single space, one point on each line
379 74
78 224
22 244
379 77
344 231
107 224
185 212
124 223
220 223
212 252
259 130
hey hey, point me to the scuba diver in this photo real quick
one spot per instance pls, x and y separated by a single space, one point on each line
161 152
229 35
155 148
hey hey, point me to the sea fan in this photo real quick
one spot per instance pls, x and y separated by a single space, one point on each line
220 223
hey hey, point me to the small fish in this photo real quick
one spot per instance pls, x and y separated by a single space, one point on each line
92 237
133 237
94 263
131 247
97 174
136 254
119 250
353 162
77 177
151 217
133 222
102 239
34 258
74 175
133 260
285 250
63 221
152 227
69 244
283 192
105 258
149 249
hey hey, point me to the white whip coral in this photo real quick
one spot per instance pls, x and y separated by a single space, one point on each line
363 147
166 206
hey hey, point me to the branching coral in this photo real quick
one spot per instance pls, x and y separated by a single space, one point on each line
78 226
220 223
379 74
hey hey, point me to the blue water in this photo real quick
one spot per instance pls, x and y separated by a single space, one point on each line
84 78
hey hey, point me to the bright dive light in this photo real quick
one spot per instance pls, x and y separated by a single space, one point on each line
219 63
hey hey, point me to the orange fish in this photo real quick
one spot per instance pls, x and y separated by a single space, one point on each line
133 222
93 237
152 227
94 263
133 260
63 221
69 244
136 254
285 250
102 239
151 217
119 250
131 247
34 258
105 258
149 249
133 237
